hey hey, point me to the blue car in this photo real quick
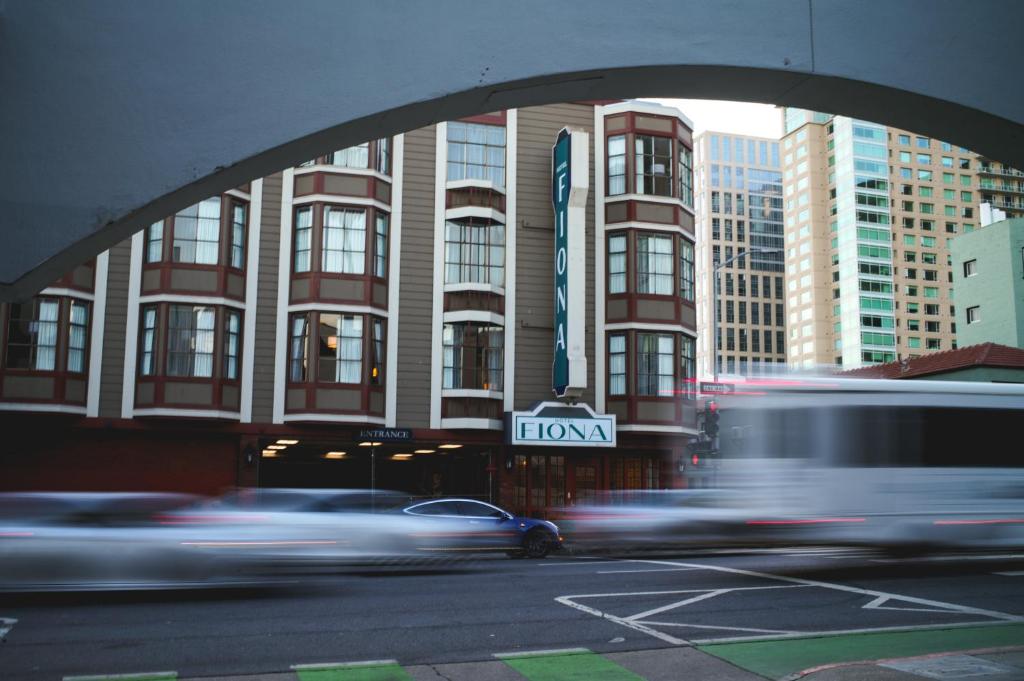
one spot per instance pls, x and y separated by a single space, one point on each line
483 527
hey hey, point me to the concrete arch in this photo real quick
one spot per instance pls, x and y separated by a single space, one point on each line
116 113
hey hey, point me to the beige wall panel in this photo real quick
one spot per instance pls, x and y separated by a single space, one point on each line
296 400
300 289
653 212
338 398
266 302
229 397
384 192
656 309
28 387
617 408
304 184
417 280
616 309
613 123
659 124
688 317
343 184
83 276
380 295
377 402
150 280
193 280
236 286
144 393
74 390
616 212
188 393
344 289
656 411
112 371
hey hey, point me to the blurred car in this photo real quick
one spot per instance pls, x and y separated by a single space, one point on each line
480 526
657 519
85 541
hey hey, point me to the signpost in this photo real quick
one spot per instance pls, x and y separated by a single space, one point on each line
570 183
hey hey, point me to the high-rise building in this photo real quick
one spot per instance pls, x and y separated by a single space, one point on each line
869 214
1001 186
739 210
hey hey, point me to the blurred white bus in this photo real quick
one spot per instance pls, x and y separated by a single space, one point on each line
899 464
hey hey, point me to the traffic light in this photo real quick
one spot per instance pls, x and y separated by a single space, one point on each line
711 419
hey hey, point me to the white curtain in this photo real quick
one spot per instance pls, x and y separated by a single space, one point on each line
76 337
208 232
203 342
350 349
46 335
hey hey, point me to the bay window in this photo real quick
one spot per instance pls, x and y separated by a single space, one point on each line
197 233
32 335
147 364
340 355
654 264
303 239
232 344
617 364
616 165
237 235
688 366
474 252
653 165
377 347
78 326
155 242
476 152
473 356
353 157
686 179
344 240
190 336
380 246
298 349
617 264
655 360
384 155
686 288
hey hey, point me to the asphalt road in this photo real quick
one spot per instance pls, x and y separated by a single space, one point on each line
500 605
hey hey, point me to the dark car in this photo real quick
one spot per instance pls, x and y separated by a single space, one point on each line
489 528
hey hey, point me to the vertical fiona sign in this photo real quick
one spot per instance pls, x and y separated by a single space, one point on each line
570 182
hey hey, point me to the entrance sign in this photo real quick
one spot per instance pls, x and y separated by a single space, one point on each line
570 183
554 424
710 388
386 434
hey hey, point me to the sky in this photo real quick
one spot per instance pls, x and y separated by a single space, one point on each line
742 118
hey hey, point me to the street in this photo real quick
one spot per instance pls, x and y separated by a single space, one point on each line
493 606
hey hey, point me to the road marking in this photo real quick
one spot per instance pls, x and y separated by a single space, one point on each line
588 562
877 605
908 628
6 624
678 604
532 653
1015 573
962 609
139 676
713 626
342 665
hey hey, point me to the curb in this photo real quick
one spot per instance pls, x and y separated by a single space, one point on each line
856 663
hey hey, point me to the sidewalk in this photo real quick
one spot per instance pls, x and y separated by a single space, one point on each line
664 664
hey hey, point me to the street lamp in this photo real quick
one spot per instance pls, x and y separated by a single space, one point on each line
714 299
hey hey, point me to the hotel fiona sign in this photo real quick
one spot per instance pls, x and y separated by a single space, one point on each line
554 424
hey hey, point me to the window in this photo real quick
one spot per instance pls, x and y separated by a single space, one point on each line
344 241
232 334
190 334
654 364
303 244
78 326
686 289
476 152
616 165
923 142
147 365
934 344
653 165
377 367
340 355
617 264
384 155
353 157
686 178
973 314
654 264
925 175
197 233
32 335
237 235
298 349
473 356
924 159
931 309
617 364
155 242
904 139
474 252
380 246
687 366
